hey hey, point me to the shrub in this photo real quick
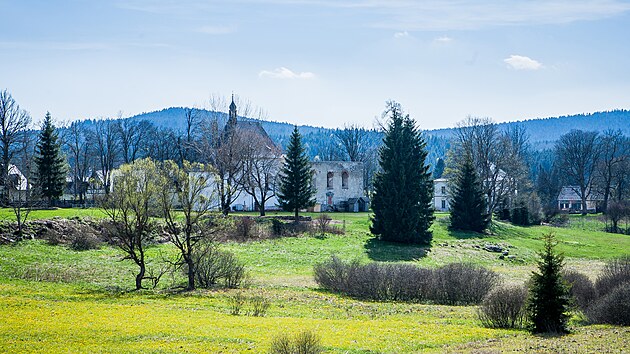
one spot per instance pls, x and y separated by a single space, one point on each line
84 242
503 307
461 283
236 303
303 343
581 289
614 273
322 223
259 306
613 308
215 267
333 274
452 284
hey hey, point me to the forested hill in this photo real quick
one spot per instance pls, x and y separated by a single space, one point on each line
543 132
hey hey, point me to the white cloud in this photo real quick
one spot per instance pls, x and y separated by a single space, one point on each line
443 39
401 34
216 30
519 62
284 73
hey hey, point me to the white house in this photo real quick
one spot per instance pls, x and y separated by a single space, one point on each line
569 200
440 194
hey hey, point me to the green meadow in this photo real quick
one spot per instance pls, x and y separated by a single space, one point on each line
54 299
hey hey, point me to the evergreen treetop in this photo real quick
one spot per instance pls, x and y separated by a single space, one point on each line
403 189
467 203
296 190
51 169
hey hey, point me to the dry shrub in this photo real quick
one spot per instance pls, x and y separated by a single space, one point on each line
215 267
616 272
333 274
613 308
581 288
452 284
84 242
236 303
462 283
303 343
258 306
503 307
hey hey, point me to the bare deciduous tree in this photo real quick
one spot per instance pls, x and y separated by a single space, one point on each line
13 123
354 141
76 140
132 136
225 150
577 153
186 140
261 163
107 149
162 144
614 153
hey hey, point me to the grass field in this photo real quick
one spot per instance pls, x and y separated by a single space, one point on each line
53 299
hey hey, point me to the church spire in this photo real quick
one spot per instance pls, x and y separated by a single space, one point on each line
232 117
231 123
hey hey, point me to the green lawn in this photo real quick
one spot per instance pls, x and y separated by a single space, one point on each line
53 299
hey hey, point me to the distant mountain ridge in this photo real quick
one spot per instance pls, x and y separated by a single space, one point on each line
543 132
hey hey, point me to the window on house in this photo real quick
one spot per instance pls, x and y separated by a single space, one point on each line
344 179
443 203
443 189
329 180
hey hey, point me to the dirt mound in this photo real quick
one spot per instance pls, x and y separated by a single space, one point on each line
55 231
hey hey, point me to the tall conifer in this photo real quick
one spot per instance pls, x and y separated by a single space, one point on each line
549 297
467 204
296 190
51 169
403 189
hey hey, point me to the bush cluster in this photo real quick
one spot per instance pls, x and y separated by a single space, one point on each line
216 267
613 290
256 306
457 283
606 300
84 242
581 289
302 343
503 307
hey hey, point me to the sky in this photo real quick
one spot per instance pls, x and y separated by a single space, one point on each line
318 62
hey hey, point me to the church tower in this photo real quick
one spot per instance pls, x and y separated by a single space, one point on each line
232 116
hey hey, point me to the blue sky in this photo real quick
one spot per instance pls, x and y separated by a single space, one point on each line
318 62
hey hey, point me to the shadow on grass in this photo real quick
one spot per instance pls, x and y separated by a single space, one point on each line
458 234
383 251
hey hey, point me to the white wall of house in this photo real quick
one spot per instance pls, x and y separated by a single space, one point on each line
440 194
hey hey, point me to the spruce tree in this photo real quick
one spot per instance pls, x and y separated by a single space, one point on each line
467 204
51 169
296 190
403 189
549 296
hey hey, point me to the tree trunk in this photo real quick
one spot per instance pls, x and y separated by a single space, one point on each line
191 274
297 217
140 275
